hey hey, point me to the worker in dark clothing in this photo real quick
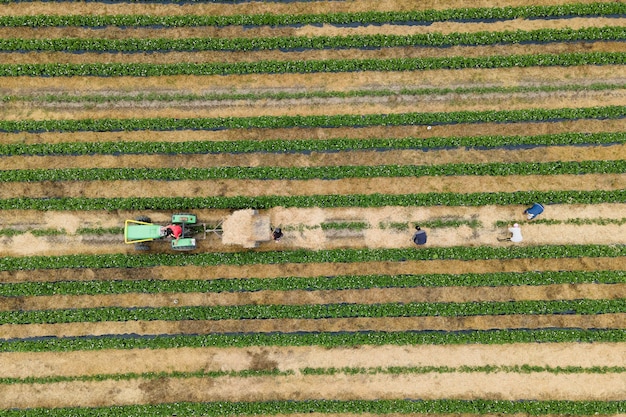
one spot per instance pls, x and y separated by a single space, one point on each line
277 234
419 238
173 230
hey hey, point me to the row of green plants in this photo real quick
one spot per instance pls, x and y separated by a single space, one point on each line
340 120
99 231
318 145
315 311
337 407
400 226
322 172
105 97
600 221
369 17
430 224
202 373
34 232
312 66
321 283
308 256
134 45
327 340
350 200
518 369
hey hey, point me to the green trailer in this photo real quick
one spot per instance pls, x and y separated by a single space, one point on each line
141 231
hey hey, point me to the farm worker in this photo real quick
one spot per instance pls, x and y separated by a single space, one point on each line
534 211
174 230
419 238
277 234
516 234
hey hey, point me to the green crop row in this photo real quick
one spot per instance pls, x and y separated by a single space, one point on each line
578 222
312 66
202 373
431 224
328 340
56 232
345 144
105 97
357 407
370 17
336 407
341 120
353 200
519 369
307 256
343 282
315 311
311 43
322 172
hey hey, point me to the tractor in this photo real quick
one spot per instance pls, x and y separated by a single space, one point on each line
243 227
141 231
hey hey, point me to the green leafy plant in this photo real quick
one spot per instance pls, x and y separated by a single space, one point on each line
315 311
503 336
342 282
310 66
307 256
324 172
277 145
369 17
134 45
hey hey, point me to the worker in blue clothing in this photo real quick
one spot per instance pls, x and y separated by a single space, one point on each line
534 211
419 238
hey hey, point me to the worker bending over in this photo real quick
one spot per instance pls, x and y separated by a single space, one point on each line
173 230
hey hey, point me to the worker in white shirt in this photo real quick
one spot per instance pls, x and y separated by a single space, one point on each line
516 234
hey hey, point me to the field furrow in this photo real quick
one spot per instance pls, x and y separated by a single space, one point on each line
557 76
396 104
313 7
269 326
321 158
364 186
230 32
365 296
432 386
296 358
313 55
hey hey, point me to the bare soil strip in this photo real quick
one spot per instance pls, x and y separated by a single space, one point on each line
395 324
455 130
500 386
366 296
309 55
294 358
232 188
71 221
308 30
471 77
309 7
303 229
27 245
319 159
317 106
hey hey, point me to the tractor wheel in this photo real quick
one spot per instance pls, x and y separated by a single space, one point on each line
142 247
144 219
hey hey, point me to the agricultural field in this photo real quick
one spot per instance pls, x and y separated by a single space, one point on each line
348 123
